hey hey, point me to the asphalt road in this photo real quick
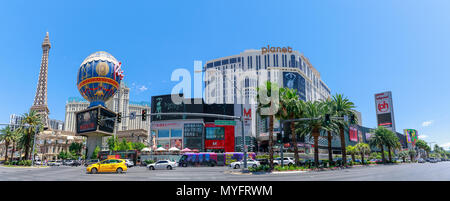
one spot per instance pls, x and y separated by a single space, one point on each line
400 172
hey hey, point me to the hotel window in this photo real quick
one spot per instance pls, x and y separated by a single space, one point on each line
265 61
215 133
217 63
163 133
224 61
233 60
292 63
176 133
274 60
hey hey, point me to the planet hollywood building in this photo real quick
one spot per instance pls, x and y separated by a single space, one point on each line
194 132
234 79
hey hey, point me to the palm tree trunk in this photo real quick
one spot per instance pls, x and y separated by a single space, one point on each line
362 158
344 155
294 141
316 146
12 151
382 154
389 152
330 151
271 141
6 150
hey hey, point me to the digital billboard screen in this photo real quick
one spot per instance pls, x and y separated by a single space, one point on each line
385 110
107 120
87 121
294 80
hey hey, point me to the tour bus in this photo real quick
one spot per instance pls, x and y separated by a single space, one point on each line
212 159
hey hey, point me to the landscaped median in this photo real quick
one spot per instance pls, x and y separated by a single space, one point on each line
20 164
265 169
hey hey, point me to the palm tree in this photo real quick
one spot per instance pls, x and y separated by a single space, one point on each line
379 139
392 142
270 106
421 144
403 155
316 112
332 129
16 135
291 107
30 123
363 149
6 136
352 151
342 106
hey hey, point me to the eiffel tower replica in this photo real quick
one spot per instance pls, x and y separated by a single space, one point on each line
40 100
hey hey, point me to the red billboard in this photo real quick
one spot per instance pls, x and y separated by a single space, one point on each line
219 137
214 144
353 134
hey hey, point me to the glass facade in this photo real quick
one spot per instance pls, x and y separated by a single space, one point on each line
215 133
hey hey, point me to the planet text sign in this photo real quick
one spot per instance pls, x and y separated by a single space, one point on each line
384 110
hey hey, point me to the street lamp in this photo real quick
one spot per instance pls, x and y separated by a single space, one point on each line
242 122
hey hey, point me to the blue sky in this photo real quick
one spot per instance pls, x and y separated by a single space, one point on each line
359 47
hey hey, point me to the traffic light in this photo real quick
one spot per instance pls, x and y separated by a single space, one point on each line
327 118
99 120
119 117
144 115
279 138
352 119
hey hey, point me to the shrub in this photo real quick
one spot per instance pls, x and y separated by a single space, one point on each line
149 162
261 168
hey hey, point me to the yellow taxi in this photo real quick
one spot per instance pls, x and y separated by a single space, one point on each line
108 165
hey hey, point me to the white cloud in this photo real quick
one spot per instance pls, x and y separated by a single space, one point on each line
143 88
423 137
427 123
446 146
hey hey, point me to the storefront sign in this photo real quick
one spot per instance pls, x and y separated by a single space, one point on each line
165 125
214 144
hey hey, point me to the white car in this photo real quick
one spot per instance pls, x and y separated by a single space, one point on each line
129 163
286 161
250 163
161 165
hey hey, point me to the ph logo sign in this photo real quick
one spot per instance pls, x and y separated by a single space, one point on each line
383 107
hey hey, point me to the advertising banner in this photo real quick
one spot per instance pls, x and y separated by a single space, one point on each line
384 110
178 143
353 134
294 80
411 136
87 121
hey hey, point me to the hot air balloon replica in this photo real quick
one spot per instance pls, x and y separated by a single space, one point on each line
98 79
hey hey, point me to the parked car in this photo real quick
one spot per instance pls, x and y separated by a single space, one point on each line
376 160
250 163
54 163
38 162
433 160
68 162
421 160
108 165
90 162
163 164
286 161
76 163
263 161
129 163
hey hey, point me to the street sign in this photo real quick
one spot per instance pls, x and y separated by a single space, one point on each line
224 123
132 115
